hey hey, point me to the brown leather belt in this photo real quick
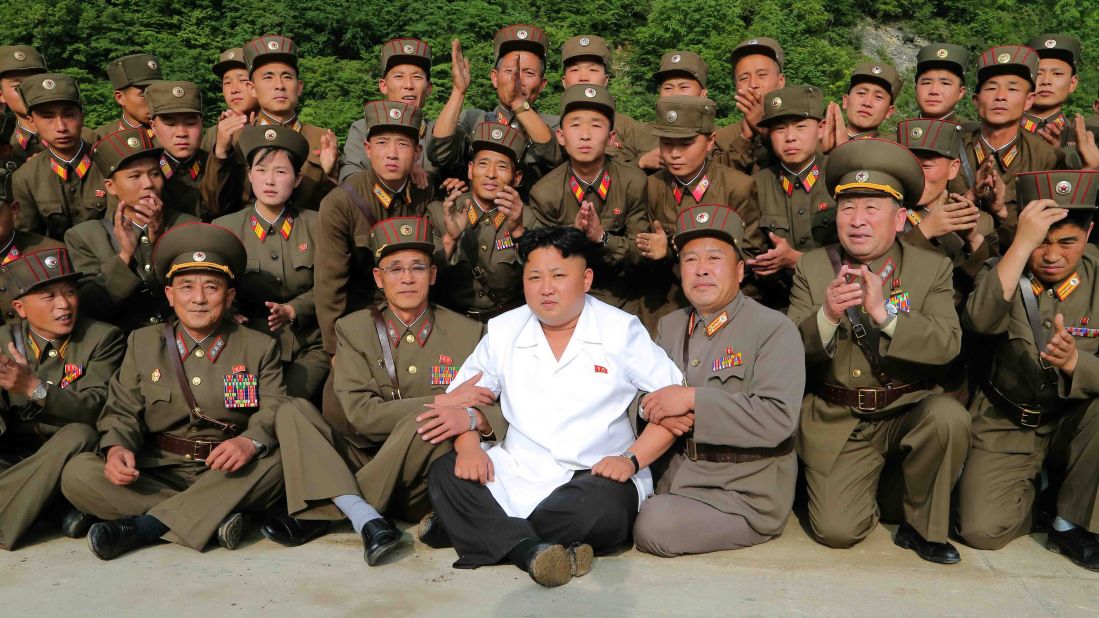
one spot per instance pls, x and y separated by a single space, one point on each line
868 399
192 450
1027 417
719 453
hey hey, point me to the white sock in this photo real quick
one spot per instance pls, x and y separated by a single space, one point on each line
357 510
1061 524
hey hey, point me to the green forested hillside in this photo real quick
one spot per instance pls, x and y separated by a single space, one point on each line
339 39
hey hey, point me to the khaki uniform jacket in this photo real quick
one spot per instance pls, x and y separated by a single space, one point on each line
49 205
966 263
354 152
752 404
183 184
623 215
127 295
1012 361
344 258
21 243
926 337
748 156
76 378
24 145
145 398
278 270
632 139
427 355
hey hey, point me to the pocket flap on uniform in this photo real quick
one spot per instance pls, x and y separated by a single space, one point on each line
156 392
728 365
362 240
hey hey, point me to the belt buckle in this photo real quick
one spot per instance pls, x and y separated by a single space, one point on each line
692 450
1030 419
195 445
873 394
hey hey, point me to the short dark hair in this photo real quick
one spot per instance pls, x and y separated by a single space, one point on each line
566 239
259 155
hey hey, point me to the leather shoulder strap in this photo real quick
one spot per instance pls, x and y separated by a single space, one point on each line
359 203
185 386
1030 304
387 351
865 335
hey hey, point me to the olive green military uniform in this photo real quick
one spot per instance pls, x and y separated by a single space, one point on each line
135 70
1066 48
17 245
483 276
128 295
730 483
23 142
55 194
1026 416
232 58
882 74
947 56
225 186
235 375
731 148
618 195
182 179
851 424
37 437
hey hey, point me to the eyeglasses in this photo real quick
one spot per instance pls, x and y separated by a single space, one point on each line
416 269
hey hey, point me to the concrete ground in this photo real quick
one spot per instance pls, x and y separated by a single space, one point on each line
55 576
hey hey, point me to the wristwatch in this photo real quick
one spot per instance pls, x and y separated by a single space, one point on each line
38 395
523 107
890 314
261 448
633 459
603 239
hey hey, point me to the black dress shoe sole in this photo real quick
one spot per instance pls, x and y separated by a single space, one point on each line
375 556
551 567
581 558
231 531
76 524
429 532
903 541
1057 549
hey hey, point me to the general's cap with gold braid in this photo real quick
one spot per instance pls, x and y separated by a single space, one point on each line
1008 60
21 58
1059 46
1074 190
165 97
134 70
501 138
49 88
792 102
682 62
953 58
270 48
396 115
191 247
114 151
926 135
680 116
274 136
875 167
229 59
32 271
399 233
588 96
586 47
520 37
406 51
716 220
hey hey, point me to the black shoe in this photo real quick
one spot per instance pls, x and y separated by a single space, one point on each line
430 532
291 532
75 523
940 553
231 531
379 538
581 557
1078 545
550 565
110 539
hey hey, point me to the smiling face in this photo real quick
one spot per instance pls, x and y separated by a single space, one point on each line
200 299
1055 83
868 225
795 141
273 177
391 155
555 285
1059 254
711 273
938 92
1002 99
406 83
867 105
584 134
758 73
179 134
406 277
237 91
51 310
489 172
277 88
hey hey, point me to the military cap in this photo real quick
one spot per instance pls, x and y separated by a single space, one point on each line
716 220
1008 60
881 73
1075 190
7 195
792 102
759 45
501 138
406 51
49 88
588 96
586 46
117 149
165 97
684 116
1059 46
687 62
229 59
953 58
393 115
875 167
399 233
21 58
198 246
274 136
134 70
941 137
34 270
270 48
521 37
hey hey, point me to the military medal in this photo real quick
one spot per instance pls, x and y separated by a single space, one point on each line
72 372
443 374
900 301
730 359
241 389
1088 333
155 375
505 242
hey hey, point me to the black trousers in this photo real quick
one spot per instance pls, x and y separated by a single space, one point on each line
588 509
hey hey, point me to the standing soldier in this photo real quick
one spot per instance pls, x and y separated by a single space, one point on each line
14 243
53 384
62 187
188 436
940 80
130 75
876 316
1058 59
869 99
480 274
518 76
601 197
757 70
176 111
1037 405
18 62
239 98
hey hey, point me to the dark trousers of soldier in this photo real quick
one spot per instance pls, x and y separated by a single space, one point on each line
321 464
31 477
930 440
188 498
997 490
588 509
670 525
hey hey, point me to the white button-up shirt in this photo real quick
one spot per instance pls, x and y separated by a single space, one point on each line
564 415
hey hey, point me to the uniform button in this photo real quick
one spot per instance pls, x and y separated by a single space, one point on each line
1042 387
694 362
196 380
1047 324
52 353
278 279
412 368
152 320
193 430
484 248
804 239
275 257
50 382
200 353
1049 292
801 211
144 240
409 338
515 125
856 373
481 294
148 268
3 289
72 189
11 315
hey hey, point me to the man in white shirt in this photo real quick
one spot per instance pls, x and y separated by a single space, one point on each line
569 476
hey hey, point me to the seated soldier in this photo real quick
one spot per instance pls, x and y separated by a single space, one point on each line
390 363
940 80
731 485
114 255
130 76
870 97
567 478
54 369
480 273
18 62
877 319
188 437
176 109
1037 409
14 243
232 73
596 194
